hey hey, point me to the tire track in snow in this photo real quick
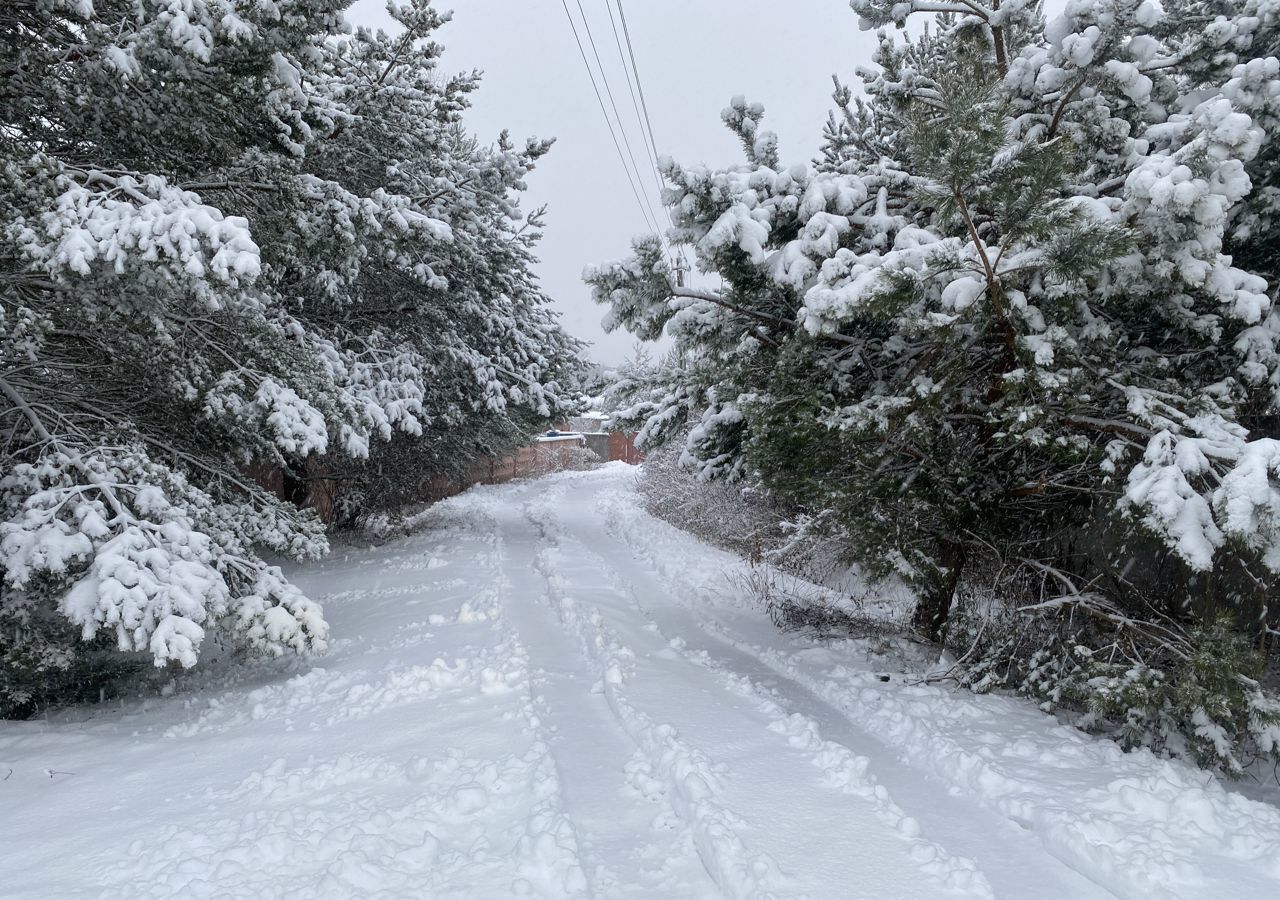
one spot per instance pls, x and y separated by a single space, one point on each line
844 770
544 860
686 774
627 847
549 851
696 784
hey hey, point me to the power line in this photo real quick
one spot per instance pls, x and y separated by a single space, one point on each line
645 137
604 76
644 213
622 14
648 122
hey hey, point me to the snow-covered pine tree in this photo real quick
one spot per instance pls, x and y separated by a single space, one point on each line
461 335
999 308
234 232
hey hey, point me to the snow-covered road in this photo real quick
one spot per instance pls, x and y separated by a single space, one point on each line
548 693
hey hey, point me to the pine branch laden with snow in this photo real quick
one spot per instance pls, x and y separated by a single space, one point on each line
151 574
234 234
1006 300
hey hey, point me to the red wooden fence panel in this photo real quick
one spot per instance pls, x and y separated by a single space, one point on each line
322 493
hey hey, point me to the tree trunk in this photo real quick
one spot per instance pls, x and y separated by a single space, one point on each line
935 604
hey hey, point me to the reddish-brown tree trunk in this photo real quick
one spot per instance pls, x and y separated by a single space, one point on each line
934 604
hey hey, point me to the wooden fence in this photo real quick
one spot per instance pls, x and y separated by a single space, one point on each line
315 491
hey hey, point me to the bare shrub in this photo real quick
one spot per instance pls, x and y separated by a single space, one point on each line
746 519
568 458
794 604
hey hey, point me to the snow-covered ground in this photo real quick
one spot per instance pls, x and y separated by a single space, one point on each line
548 693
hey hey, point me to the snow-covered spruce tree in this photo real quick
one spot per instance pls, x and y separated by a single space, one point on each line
234 233
996 317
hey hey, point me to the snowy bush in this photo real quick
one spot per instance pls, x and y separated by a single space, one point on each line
800 575
794 603
572 458
749 520
1146 682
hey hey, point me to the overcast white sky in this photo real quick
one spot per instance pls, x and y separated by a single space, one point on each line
693 55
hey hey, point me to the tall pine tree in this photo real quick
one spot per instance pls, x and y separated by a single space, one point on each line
998 313
234 232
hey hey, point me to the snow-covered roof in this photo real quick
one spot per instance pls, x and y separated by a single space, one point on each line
563 436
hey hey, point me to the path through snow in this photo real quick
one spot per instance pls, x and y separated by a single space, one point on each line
548 693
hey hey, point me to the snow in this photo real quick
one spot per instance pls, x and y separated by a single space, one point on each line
124 221
545 692
296 426
1249 500
1173 507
